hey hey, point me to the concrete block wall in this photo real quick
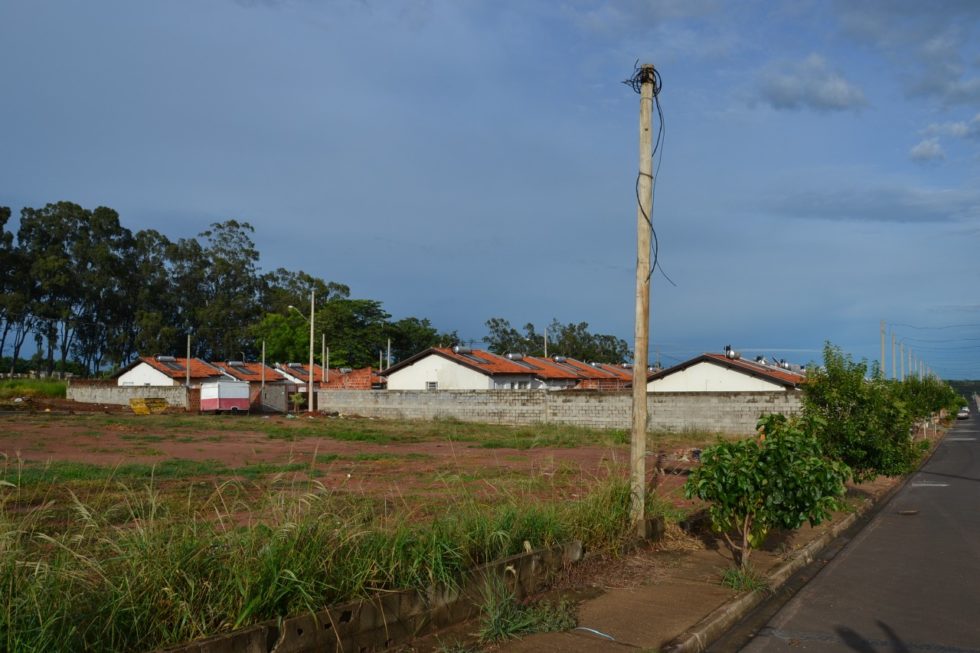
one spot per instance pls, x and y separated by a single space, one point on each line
107 392
725 412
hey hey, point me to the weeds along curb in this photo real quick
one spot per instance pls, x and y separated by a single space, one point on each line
392 618
697 638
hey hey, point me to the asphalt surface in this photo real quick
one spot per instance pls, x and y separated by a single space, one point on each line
909 581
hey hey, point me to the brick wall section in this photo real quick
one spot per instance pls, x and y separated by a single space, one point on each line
727 412
107 392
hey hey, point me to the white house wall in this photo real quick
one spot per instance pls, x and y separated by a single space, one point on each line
552 384
708 377
143 374
448 374
512 382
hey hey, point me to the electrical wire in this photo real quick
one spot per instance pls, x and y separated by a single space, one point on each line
640 76
947 326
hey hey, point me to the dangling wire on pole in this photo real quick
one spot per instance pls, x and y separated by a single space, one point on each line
650 74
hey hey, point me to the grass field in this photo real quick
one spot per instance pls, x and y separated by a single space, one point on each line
12 388
131 533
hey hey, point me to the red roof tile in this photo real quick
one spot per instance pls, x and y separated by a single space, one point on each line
786 376
176 368
245 371
301 371
344 378
775 374
558 368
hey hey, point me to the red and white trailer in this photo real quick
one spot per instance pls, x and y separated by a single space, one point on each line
218 396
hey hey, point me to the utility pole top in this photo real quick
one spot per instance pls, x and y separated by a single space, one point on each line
644 74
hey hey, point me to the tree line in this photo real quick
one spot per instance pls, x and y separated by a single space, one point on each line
572 339
94 295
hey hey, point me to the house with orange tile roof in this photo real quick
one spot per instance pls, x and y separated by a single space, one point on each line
727 372
255 374
250 371
596 376
167 371
299 373
346 378
461 368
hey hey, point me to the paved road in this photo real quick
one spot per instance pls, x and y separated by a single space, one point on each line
910 580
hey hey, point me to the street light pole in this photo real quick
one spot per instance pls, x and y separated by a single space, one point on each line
309 396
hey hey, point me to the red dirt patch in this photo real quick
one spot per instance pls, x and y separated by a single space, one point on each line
395 470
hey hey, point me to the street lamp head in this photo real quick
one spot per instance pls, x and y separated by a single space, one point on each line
299 312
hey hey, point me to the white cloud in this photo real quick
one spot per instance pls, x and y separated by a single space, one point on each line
958 129
927 150
934 42
809 84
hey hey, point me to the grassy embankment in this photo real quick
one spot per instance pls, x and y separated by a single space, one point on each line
97 558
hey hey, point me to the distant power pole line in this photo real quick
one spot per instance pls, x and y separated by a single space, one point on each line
901 361
893 357
882 367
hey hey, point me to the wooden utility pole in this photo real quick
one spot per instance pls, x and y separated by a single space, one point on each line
644 225
187 363
901 361
325 377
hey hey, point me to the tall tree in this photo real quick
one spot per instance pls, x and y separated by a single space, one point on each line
504 339
101 254
230 287
6 274
281 289
155 326
356 330
411 335
188 267
50 239
577 341
16 302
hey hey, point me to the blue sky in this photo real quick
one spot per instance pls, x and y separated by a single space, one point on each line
462 160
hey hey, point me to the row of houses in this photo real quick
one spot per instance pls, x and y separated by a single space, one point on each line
471 369
194 372
460 368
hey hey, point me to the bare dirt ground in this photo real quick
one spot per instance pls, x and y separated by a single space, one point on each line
392 466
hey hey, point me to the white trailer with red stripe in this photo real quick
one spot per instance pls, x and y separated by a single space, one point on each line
225 395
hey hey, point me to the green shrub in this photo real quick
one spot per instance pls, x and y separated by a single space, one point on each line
861 421
929 395
779 480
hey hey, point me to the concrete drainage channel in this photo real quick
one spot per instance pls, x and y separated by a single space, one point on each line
392 618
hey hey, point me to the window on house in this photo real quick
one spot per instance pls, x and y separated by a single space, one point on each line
431 385
522 385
